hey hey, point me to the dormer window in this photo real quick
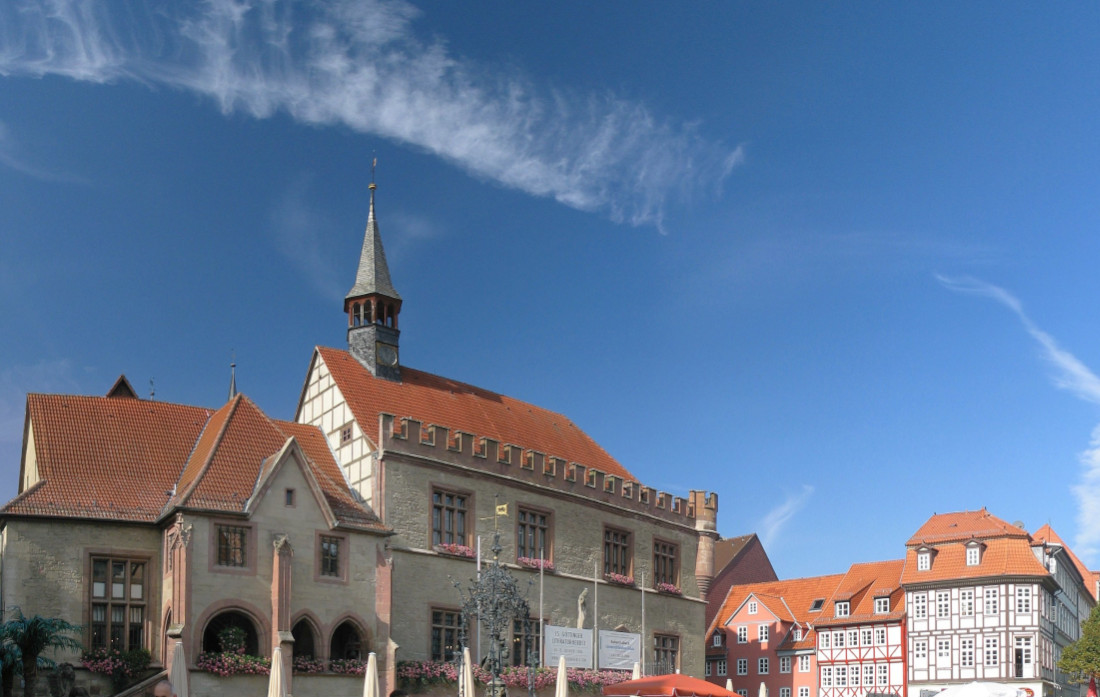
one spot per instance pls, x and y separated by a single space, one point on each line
716 640
797 632
882 606
842 607
924 560
973 555
752 607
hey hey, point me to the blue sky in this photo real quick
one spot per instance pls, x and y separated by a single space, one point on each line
832 262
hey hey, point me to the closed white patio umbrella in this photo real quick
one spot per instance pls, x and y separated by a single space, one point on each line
178 676
276 684
561 685
370 677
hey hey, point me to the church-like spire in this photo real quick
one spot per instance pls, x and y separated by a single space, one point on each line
373 304
373 276
232 381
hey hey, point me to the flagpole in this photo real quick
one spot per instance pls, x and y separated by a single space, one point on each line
542 625
478 659
595 616
641 649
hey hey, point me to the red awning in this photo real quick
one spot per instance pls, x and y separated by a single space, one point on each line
674 685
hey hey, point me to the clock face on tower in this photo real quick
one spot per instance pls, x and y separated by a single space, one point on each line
387 354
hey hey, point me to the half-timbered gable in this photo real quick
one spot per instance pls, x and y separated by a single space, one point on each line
861 646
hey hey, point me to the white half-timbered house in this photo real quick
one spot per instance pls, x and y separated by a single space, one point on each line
988 602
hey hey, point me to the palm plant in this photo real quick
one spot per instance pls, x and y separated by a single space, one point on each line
10 662
32 636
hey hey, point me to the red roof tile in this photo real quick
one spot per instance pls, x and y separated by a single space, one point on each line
1090 577
120 459
789 600
962 526
458 406
1001 557
108 458
862 584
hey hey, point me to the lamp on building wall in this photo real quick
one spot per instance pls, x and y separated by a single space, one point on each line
494 600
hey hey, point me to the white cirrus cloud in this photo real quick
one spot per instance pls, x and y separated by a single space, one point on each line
1069 374
771 526
360 63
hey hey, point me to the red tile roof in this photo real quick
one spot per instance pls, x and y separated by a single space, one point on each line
107 458
789 600
1090 577
862 584
963 526
1001 557
435 400
121 458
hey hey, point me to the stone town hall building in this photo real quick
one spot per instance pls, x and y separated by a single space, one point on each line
339 533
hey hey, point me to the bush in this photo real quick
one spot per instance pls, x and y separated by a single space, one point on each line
233 664
420 674
122 667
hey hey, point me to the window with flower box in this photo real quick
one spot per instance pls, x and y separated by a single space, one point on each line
616 552
445 634
666 566
118 597
532 533
450 510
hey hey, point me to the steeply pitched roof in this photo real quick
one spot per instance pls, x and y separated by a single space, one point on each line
863 583
962 526
458 406
1004 556
373 274
728 549
106 457
790 600
121 459
1090 577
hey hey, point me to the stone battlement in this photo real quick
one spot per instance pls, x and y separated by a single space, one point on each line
409 436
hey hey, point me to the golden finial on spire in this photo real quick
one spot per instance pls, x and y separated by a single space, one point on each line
373 164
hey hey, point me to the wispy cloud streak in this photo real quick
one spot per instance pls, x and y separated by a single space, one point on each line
1069 374
11 158
360 63
776 519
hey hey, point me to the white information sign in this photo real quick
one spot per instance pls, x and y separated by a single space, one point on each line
574 644
619 650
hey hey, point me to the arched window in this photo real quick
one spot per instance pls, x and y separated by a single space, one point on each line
219 636
356 314
347 642
303 639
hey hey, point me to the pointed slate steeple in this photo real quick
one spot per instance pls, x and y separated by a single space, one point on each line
373 275
372 306
232 381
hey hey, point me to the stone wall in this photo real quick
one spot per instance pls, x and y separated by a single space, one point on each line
423 578
45 567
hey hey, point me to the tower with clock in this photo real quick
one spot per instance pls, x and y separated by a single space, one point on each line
372 306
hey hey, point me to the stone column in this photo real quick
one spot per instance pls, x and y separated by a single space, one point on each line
383 608
280 606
